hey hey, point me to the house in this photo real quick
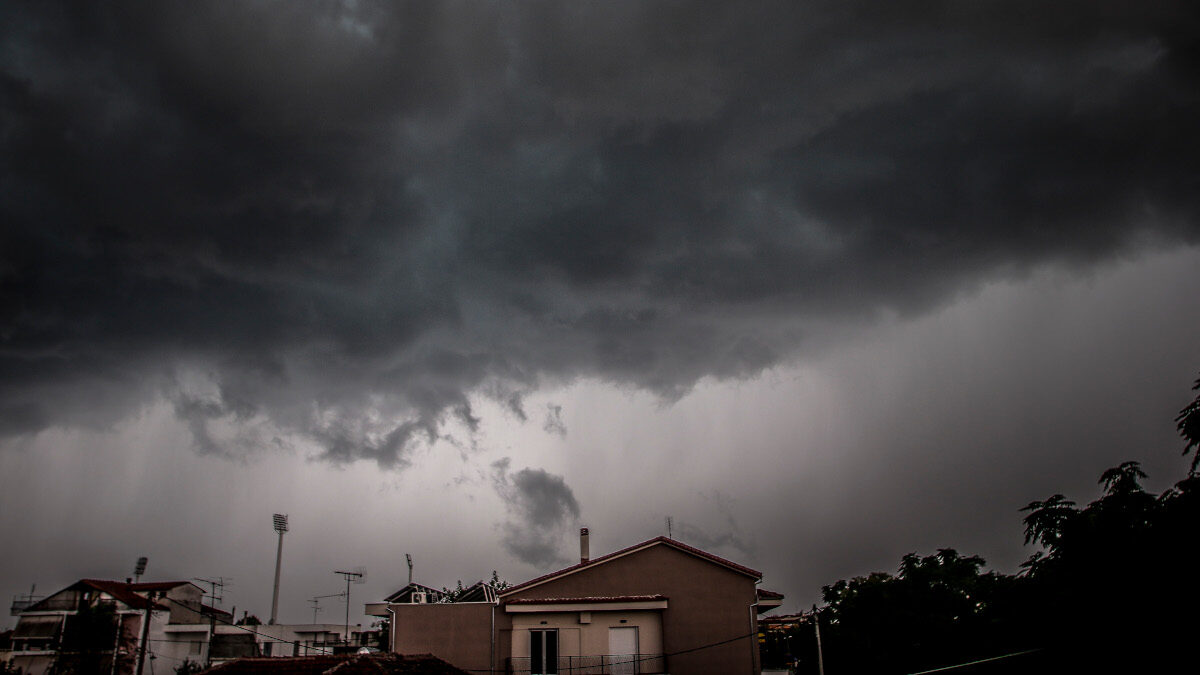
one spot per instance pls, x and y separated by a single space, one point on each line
94 622
655 607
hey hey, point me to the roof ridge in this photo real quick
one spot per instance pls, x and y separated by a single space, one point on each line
678 545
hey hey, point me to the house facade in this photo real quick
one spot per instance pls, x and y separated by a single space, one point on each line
95 622
656 607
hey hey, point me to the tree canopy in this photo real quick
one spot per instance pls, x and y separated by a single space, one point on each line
1102 592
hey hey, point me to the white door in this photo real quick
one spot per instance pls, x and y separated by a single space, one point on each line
623 650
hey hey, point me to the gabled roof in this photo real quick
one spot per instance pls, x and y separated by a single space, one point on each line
657 541
118 590
480 591
125 593
413 587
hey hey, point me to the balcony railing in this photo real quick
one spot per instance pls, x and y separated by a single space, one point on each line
602 664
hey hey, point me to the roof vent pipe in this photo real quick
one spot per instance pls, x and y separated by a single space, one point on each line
584 554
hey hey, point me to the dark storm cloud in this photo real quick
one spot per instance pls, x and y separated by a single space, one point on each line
541 509
337 222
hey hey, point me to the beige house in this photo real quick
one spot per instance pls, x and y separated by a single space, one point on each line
656 607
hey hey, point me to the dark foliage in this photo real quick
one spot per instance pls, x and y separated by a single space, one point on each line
1188 424
1110 590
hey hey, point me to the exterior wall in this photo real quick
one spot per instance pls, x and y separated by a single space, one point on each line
587 639
707 604
184 603
459 633
178 641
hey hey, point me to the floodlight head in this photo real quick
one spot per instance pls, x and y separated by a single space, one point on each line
140 568
281 523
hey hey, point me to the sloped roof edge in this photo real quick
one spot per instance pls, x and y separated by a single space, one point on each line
678 545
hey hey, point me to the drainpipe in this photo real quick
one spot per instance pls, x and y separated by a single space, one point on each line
754 633
492 651
392 629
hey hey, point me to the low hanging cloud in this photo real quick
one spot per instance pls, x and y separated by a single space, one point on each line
541 512
554 423
353 219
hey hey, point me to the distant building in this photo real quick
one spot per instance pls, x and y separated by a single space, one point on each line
288 640
656 607
71 626
352 664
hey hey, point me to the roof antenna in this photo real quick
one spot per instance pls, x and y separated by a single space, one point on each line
409 567
669 528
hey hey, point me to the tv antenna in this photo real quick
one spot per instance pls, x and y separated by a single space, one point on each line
316 602
669 528
409 567
216 588
358 576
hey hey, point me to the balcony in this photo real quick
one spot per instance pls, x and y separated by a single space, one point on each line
606 664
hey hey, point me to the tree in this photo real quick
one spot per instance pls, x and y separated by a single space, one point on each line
89 637
189 667
1188 424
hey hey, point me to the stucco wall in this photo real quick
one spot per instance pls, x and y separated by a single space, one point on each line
708 604
457 633
587 639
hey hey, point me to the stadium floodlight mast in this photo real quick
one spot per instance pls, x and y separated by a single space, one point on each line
281 526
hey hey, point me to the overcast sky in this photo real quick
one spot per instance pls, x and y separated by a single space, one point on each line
826 283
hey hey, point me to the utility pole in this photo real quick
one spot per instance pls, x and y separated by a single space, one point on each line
216 588
141 662
348 576
820 655
281 526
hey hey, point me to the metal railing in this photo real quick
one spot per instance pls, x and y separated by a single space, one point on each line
600 664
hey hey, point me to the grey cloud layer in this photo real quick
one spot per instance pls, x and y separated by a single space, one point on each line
541 508
336 223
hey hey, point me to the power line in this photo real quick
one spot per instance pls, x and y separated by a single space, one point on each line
971 663
247 629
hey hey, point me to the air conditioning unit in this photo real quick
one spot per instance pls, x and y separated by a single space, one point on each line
419 598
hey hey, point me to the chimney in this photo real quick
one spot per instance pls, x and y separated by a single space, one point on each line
584 556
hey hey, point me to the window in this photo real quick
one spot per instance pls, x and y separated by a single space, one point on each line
543 652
